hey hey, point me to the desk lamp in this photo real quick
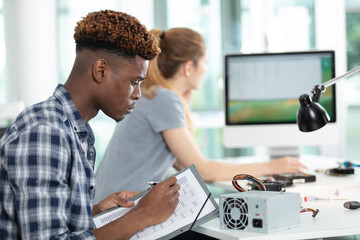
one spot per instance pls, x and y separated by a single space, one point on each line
311 115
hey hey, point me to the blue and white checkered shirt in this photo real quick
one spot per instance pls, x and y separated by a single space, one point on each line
47 181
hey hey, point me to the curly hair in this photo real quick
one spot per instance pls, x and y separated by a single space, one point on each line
115 32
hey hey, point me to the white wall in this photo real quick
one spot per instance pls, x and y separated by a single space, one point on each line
30 39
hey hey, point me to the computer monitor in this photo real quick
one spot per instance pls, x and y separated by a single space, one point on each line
261 98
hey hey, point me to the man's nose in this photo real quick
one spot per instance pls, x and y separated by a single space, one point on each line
137 93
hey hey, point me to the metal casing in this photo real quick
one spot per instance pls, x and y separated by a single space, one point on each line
259 211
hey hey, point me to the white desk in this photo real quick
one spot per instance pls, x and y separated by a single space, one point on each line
333 219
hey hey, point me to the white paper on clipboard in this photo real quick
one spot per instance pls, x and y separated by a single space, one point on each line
193 193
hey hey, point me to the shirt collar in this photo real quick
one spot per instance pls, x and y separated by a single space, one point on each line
78 125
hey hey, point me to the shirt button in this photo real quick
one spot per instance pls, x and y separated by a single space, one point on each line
91 187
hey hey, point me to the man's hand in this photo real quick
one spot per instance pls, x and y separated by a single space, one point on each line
160 202
154 207
113 200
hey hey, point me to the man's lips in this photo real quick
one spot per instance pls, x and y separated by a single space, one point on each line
130 109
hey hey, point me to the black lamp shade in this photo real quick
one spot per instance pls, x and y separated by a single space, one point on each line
311 115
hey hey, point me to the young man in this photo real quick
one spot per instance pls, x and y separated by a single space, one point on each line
47 182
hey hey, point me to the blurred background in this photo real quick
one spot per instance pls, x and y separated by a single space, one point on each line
37 51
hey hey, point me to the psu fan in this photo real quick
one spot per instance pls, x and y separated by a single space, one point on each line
235 213
259 211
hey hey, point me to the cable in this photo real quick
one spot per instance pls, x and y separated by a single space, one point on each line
350 164
314 211
259 184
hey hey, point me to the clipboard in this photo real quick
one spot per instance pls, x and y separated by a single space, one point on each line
193 194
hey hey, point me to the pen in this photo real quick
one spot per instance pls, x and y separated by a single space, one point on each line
152 183
320 199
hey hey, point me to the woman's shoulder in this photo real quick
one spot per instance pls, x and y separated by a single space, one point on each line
165 94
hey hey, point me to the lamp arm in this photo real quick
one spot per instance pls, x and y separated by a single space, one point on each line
334 80
318 89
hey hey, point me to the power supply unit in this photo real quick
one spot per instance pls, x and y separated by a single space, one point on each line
259 211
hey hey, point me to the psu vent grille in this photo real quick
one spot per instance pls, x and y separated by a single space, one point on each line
235 213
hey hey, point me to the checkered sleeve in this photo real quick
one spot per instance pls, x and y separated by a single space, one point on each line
39 162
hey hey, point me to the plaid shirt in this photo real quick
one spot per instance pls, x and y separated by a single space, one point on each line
47 182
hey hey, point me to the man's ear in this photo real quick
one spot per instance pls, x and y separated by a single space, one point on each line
99 70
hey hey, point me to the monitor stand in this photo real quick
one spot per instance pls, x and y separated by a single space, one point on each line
278 152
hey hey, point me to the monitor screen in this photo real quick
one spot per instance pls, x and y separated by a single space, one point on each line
265 88
262 90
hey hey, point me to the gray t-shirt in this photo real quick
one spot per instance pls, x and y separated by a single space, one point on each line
137 152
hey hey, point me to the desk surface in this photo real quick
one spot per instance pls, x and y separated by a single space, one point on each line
333 219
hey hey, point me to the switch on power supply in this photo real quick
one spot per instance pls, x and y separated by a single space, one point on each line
259 211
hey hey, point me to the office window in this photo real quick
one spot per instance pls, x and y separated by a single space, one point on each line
227 26
237 26
206 104
353 47
204 17
258 26
353 83
2 57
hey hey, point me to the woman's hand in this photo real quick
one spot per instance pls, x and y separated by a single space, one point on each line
286 165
